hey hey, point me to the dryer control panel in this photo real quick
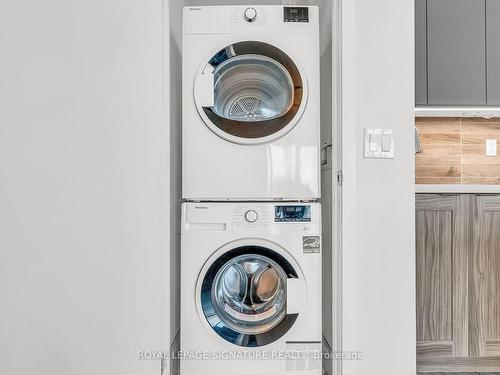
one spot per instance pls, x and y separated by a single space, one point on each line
254 19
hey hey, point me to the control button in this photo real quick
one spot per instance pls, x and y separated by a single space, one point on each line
250 14
251 216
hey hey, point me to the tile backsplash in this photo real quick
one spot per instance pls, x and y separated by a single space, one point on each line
454 151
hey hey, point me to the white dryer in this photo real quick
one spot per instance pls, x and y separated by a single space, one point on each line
251 289
251 103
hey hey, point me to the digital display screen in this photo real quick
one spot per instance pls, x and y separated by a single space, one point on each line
296 14
293 213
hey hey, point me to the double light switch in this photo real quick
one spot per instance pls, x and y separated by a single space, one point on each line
379 143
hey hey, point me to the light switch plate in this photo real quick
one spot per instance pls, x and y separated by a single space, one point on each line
379 143
491 147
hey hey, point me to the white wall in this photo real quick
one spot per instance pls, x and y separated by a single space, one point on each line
86 181
378 195
83 187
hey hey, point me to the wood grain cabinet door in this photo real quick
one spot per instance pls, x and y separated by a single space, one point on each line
442 321
484 303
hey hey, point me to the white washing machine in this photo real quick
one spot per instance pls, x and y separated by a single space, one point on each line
251 103
251 289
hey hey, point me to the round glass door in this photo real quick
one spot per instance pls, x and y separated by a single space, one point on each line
244 296
256 93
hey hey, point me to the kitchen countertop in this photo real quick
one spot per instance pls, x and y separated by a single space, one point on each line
458 189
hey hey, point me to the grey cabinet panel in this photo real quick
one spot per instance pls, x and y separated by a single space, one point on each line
420 52
493 50
456 52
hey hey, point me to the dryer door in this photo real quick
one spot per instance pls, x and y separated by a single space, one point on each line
251 296
250 92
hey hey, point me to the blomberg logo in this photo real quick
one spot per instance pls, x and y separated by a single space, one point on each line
311 244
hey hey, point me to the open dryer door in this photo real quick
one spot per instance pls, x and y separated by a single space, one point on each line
250 92
251 295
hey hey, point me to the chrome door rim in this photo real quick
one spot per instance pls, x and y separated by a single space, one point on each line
206 311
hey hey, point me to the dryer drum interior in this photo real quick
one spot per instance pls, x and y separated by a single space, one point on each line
252 88
257 90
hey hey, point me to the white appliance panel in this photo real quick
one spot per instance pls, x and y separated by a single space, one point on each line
211 230
285 166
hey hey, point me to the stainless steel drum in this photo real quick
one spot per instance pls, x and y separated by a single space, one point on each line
249 294
252 88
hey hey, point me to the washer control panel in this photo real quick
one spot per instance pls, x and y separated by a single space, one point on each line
292 213
251 216
257 216
296 14
252 219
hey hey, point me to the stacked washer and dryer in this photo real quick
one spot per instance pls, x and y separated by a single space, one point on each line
251 226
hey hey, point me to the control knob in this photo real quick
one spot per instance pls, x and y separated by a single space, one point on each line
251 216
250 14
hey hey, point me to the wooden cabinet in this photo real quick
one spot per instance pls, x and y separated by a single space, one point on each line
485 280
441 277
458 283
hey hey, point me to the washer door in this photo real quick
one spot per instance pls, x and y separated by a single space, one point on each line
250 92
245 296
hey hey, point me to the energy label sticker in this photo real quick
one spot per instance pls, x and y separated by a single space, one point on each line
311 244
